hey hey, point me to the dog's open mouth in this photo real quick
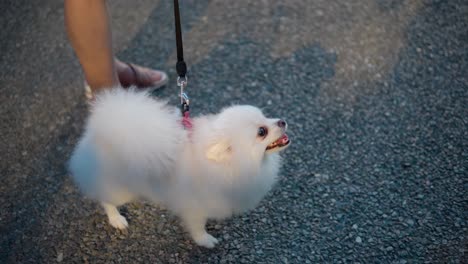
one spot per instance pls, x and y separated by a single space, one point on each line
279 143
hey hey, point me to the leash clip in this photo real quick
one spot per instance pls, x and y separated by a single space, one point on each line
184 98
182 83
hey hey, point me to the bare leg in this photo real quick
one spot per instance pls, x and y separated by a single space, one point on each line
88 28
115 218
196 227
89 32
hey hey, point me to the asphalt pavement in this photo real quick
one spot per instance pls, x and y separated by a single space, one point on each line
375 93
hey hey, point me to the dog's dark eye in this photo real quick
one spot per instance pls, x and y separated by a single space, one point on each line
262 131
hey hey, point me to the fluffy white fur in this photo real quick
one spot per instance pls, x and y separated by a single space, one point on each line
134 146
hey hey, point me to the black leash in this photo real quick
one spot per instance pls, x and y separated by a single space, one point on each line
181 67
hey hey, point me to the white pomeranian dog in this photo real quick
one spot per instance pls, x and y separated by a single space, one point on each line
135 146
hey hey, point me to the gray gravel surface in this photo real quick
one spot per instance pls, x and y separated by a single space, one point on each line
375 93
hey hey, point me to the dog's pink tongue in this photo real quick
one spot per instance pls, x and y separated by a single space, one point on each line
283 139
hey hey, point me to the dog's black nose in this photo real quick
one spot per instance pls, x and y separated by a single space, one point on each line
282 123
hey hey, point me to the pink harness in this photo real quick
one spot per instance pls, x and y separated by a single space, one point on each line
187 121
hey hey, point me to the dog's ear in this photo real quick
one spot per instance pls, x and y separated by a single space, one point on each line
220 151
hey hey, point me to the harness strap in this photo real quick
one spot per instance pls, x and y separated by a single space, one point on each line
187 121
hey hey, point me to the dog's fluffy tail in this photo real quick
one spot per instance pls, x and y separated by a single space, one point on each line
128 132
83 167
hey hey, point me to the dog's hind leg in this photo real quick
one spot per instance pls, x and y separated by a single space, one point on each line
115 218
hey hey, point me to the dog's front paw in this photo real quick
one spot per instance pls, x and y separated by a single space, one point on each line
118 222
206 240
